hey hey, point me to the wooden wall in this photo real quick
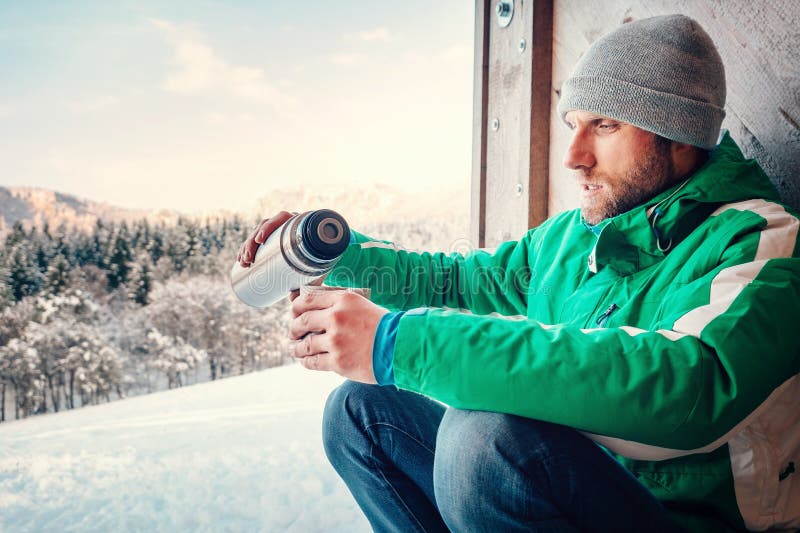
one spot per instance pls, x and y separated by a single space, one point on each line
759 42
511 120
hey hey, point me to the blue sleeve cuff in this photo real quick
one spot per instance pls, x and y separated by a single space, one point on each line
383 348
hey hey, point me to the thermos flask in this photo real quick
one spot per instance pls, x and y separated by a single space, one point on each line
304 248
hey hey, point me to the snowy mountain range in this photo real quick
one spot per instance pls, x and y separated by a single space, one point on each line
36 206
362 205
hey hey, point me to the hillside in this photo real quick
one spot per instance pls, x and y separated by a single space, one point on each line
363 205
36 206
240 454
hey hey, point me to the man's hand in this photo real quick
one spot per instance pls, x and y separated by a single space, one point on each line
346 323
261 231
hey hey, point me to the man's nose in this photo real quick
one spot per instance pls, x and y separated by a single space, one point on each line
580 153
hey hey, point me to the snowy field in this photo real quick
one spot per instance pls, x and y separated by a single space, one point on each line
241 454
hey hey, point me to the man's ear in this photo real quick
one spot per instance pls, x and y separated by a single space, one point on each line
686 158
682 150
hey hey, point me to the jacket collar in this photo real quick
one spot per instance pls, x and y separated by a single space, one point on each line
642 236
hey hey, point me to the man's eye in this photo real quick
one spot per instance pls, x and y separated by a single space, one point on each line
607 126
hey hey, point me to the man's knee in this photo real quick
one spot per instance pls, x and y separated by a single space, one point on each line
340 418
464 467
481 454
345 418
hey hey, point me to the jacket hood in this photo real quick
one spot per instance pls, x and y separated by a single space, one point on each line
645 234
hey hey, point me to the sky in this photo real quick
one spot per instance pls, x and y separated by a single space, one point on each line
196 105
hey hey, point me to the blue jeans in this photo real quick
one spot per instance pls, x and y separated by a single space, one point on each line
415 465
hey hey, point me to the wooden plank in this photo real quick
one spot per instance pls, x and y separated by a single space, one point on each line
479 124
758 45
542 51
507 150
516 189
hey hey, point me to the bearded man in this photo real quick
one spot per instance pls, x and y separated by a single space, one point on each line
629 366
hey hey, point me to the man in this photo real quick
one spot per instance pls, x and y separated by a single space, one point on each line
632 365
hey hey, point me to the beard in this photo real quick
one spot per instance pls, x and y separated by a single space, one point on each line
650 175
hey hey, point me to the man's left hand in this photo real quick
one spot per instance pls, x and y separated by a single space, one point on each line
341 328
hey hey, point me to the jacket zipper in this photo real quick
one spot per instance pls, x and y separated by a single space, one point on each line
602 319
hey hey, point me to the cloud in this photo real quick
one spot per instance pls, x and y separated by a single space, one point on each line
89 105
347 59
199 69
218 118
380 33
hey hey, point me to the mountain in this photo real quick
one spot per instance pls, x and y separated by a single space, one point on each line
362 205
32 205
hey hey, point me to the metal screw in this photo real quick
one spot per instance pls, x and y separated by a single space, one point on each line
519 189
505 12
496 124
522 45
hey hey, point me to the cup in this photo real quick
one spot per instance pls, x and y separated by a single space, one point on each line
307 289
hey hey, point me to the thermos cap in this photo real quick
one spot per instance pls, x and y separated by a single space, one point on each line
325 234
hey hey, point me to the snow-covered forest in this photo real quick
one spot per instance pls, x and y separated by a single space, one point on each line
131 308
123 310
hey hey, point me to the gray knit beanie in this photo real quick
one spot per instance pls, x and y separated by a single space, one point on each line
662 74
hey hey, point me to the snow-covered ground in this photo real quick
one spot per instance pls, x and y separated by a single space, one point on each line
240 454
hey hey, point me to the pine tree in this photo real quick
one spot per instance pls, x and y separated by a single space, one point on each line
192 240
177 248
141 235
222 234
155 245
124 232
58 276
6 294
119 264
41 255
143 284
62 244
82 249
97 255
207 238
16 236
100 245
26 279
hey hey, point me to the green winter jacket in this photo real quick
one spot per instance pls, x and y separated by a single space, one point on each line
671 338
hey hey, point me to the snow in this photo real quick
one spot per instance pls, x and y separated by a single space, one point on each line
239 454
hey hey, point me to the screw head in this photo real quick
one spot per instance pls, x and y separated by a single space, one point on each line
519 189
522 45
505 12
496 124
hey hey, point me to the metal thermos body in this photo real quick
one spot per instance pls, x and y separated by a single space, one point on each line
304 248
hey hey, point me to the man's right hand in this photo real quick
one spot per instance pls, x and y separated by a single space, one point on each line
260 233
